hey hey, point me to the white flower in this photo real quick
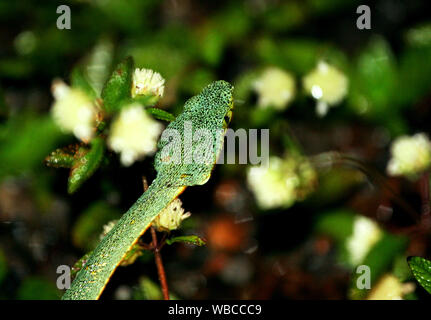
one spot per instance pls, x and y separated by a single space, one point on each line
275 87
281 183
410 155
147 81
327 85
365 234
171 217
389 287
73 111
134 134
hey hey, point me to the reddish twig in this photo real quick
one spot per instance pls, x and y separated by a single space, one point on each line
155 247
159 264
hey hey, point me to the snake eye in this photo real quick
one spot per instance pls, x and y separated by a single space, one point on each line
227 118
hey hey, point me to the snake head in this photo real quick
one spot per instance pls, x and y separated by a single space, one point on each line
200 129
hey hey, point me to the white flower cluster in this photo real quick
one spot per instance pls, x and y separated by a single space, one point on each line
147 82
365 234
282 183
171 217
390 287
134 134
327 85
73 111
275 87
410 155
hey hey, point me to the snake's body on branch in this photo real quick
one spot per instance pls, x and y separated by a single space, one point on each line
210 110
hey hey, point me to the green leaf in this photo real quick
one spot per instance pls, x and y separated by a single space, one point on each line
130 257
421 269
97 65
119 85
145 100
36 288
87 229
374 80
160 114
86 164
21 147
338 224
79 81
212 46
60 158
192 239
149 290
415 75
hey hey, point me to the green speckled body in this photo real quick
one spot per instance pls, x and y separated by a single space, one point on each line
207 110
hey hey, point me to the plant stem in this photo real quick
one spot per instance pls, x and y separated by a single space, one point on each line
159 264
157 255
331 158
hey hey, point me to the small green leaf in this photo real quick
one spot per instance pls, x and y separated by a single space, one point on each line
421 269
37 288
79 81
130 257
192 239
20 150
146 100
337 223
90 224
86 164
118 87
149 290
161 114
60 158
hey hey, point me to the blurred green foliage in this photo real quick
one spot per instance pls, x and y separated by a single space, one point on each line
36 288
192 43
89 226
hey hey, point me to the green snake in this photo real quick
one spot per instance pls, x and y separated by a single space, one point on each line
211 110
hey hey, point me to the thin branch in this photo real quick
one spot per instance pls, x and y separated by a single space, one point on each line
332 158
159 263
157 255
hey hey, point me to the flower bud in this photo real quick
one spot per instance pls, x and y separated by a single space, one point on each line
147 82
327 85
73 111
410 156
275 87
134 134
171 217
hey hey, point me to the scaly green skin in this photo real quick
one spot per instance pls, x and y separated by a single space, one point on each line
206 110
